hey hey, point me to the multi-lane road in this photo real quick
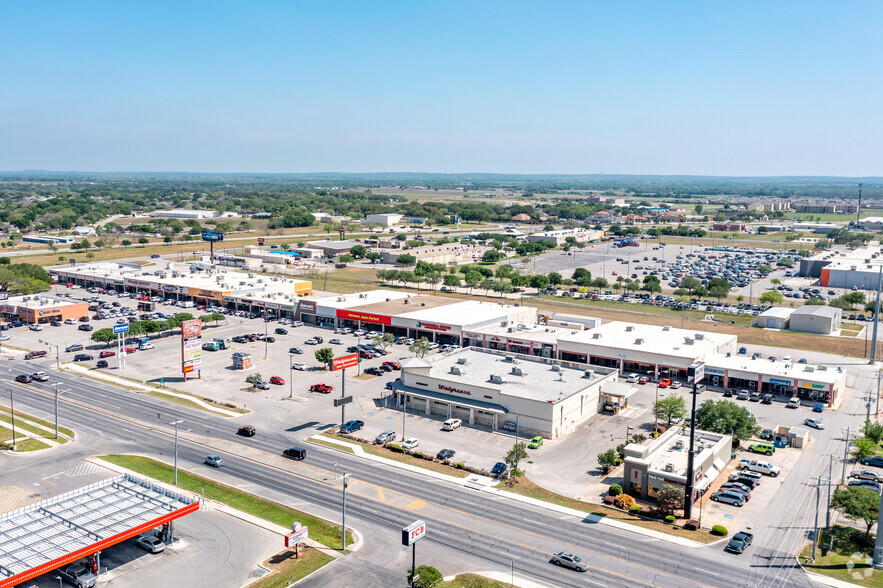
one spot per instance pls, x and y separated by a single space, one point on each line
469 529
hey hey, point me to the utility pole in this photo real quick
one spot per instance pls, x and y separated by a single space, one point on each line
877 407
845 453
57 392
828 511
12 416
344 477
176 423
873 358
878 542
815 534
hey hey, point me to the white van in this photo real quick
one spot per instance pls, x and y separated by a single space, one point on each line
632 378
794 403
452 424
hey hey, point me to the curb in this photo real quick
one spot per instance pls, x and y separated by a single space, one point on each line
501 577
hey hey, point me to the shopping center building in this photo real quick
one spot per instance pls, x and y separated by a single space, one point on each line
42 308
196 282
490 388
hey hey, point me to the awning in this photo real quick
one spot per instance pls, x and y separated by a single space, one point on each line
467 402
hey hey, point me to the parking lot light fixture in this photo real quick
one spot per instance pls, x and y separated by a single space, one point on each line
176 423
628 434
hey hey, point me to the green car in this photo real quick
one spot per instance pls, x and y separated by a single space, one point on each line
535 442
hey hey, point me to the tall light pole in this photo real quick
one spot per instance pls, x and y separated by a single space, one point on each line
828 511
176 423
628 433
845 453
12 415
57 392
345 477
873 357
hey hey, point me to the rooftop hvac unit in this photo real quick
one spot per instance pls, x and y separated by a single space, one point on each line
629 328
556 368
639 341
679 444
509 358
823 368
596 335
699 336
516 371
456 371
688 340
666 327
407 301
496 379
809 368
461 360
590 373
669 467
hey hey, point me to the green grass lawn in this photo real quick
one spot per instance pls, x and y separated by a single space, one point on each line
404 458
474 581
848 561
25 445
696 315
61 430
286 570
325 443
321 530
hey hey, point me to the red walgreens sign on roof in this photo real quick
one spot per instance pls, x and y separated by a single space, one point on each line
343 362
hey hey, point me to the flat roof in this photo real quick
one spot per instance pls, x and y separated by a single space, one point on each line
777 312
357 298
39 301
782 369
666 450
335 245
816 310
864 258
458 312
538 380
663 340
58 531
538 333
400 306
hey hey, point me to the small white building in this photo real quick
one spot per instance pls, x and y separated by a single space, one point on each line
482 387
184 213
776 317
84 231
384 220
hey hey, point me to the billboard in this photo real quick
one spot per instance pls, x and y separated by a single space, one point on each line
191 346
343 362
413 533
212 236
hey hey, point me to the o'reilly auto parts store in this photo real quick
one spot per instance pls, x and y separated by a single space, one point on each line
438 319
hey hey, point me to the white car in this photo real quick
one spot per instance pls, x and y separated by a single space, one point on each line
335 341
814 423
5 337
146 346
35 327
451 424
302 367
410 443
675 385
151 543
40 376
360 333
70 321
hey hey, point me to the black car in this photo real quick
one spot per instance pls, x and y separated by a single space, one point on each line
74 347
876 461
374 371
750 482
84 319
767 434
270 339
728 394
102 363
280 331
24 379
55 323
296 350
83 357
295 453
445 454
350 426
85 327
246 431
154 256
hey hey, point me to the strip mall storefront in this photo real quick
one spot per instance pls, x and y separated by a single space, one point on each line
45 314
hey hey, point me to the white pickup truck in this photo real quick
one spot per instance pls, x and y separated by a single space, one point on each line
762 467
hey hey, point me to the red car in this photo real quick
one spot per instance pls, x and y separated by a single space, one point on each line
393 364
131 350
107 354
200 307
323 388
664 383
277 380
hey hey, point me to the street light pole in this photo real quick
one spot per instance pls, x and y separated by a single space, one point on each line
12 416
345 477
845 454
176 423
828 511
628 433
57 384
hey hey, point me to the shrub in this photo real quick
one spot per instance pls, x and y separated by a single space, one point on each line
609 499
624 501
614 490
670 519
635 509
720 530
460 466
691 525
417 454
617 462
647 511
396 448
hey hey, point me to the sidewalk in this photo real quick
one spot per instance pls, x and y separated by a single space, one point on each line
485 484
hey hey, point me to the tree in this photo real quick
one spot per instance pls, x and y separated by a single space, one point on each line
698 208
451 281
384 340
815 301
607 459
718 288
492 256
581 277
125 243
771 297
873 431
727 418
103 336
254 379
427 577
600 283
786 261
519 281
167 239
406 259
515 455
690 284
858 504
90 256
345 258
539 282
502 287
472 280
776 281
669 498
419 348
854 298
765 269
671 409
324 355
143 241
863 447
358 251
372 255
555 278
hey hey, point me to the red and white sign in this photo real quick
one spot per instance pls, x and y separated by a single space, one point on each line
364 317
433 327
413 533
454 390
345 361
296 537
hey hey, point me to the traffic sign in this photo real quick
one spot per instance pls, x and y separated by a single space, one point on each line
340 401
117 329
343 362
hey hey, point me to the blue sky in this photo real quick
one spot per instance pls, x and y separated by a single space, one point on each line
714 88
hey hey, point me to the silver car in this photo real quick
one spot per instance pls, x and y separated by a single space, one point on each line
78 575
569 560
814 423
151 543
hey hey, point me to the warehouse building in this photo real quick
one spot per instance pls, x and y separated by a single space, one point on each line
332 248
42 308
184 213
47 240
494 389
777 317
450 253
560 236
384 220
822 320
647 468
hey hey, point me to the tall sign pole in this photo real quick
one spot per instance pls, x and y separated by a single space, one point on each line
410 535
695 374
341 363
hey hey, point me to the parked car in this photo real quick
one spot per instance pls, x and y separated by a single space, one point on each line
104 354
276 380
675 385
296 350
410 443
78 575
818 407
761 467
215 461
321 388
765 448
301 367
875 461
392 364
664 383
351 426
643 380
814 423
743 395
451 424
767 399
385 437
280 331
535 442
83 357
335 341
793 402
499 468
728 497
74 347
569 560
445 454
102 363
151 543
374 371
866 475
739 542
867 484
767 434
